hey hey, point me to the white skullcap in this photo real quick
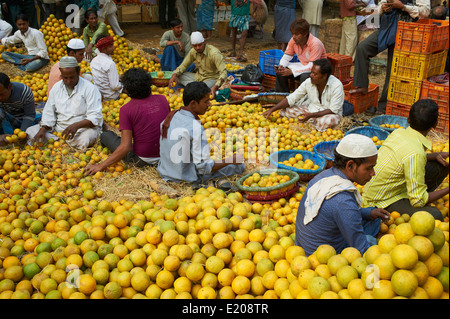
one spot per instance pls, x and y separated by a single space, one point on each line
356 146
68 62
76 44
197 38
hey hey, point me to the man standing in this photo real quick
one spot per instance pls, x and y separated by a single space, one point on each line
74 107
176 44
319 99
184 149
307 47
33 40
349 37
331 210
209 61
15 7
17 107
406 176
312 12
186 12
407 10
104 70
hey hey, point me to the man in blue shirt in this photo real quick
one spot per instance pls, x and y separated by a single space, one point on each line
330 212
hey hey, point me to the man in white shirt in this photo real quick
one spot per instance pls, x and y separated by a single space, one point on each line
74 107
104 70
5 29
318 99
34 42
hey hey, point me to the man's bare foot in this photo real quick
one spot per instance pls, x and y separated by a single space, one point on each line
359 90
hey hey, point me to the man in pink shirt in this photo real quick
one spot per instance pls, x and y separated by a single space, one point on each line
307 47
75 48
139 123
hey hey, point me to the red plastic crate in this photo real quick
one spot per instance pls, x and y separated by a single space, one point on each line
269 82
393 108
362 102
437 92
342 65
422 36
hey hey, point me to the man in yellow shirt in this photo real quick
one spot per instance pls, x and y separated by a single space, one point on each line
209 61
406 176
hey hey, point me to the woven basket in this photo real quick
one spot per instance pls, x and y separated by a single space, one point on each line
326 149
239 94
271 97
370 131
264 194
164 81
388 119
304 174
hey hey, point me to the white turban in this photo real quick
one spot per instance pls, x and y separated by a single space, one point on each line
197 38
68 62
76 44
356 146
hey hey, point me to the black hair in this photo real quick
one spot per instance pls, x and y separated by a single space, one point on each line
68 50
340 161
423 115
21 16
300 26
137 83
325 66
439 13
195 91
173 23
89 12
4 80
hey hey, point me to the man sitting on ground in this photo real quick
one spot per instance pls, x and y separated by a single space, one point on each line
406 176
331 210
210 64
104 70
34 42
139 124
319 99
176 44
184 149
307 47
74 107
17 107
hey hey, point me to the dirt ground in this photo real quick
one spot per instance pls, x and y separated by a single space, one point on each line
149 34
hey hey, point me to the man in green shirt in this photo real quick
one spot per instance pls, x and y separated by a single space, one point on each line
406 176
210 64
176 44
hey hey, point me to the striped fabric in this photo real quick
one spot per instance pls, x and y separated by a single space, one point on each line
20 104
400 170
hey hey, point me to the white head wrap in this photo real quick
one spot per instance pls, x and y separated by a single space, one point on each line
197 38
356 146
76 44
68 62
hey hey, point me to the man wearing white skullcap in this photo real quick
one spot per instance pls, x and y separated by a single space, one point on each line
331 211
75 48
209 61
74 108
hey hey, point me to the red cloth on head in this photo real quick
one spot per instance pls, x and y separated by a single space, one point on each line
104 42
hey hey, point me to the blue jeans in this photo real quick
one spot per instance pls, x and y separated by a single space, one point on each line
8 122
171 59
15 58
371 229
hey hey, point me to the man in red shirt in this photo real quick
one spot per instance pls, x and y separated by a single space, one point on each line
139 123
307 47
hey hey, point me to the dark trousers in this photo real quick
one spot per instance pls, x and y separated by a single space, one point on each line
364 51
169 7
282 82
112 141
26 7
435 173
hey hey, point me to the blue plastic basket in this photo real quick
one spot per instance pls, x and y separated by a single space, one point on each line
370 131
270 58
388 119
326 149
304 174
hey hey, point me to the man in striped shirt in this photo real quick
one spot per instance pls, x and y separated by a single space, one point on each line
406 176
17 107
